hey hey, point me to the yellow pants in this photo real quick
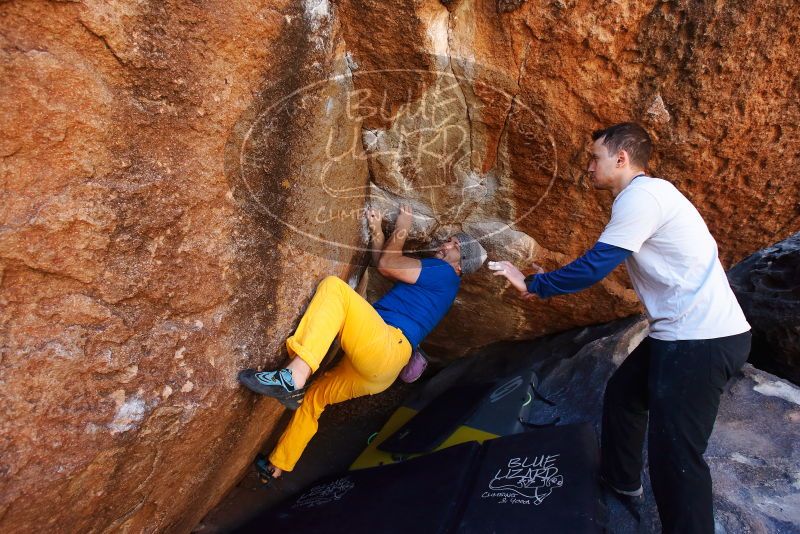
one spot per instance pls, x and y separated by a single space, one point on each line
374 354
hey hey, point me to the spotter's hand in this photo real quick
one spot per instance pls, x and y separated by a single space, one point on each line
537 268
512 274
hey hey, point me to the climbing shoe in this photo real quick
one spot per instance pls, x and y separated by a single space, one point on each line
276 384
415 367
264 470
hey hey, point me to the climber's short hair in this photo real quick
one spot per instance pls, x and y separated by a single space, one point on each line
627 136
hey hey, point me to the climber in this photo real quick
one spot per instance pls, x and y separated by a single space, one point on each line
698 335
377 340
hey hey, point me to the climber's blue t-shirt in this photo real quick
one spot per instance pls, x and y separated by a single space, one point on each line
417 308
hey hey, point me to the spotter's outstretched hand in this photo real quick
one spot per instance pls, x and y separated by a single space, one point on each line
514 276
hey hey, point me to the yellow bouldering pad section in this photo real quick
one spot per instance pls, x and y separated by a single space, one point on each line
372 457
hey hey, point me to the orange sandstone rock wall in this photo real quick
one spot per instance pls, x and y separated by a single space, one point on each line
155 238
517 88
177 176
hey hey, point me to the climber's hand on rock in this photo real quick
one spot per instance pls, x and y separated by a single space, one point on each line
512 274
537 269
404 220
374 218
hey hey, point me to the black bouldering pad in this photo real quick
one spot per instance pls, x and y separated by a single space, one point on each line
437 421
421 496
509 402
544 480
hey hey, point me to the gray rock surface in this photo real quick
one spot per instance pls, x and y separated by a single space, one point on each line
767 285
754 454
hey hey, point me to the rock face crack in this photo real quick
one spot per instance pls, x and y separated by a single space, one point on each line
512 102
104 41
459 82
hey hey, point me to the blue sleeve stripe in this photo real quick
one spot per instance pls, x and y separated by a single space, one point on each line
587 270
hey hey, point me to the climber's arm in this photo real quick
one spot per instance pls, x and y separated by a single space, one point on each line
585 271
392 263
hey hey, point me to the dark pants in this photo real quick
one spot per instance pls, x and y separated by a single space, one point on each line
679 383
